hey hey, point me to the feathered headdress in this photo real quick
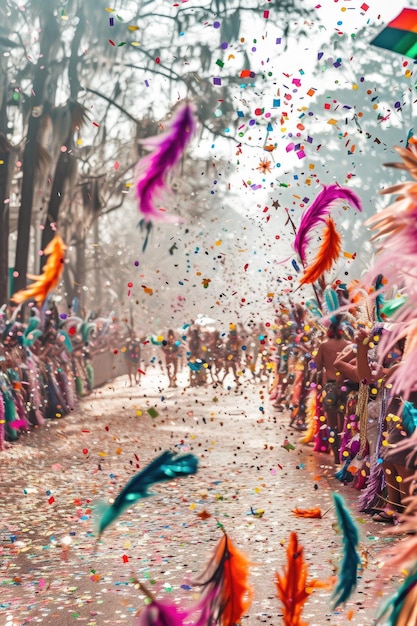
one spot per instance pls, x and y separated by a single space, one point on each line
152 170
315 215
395 233
49 279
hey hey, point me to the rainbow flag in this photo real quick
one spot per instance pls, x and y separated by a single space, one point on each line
400 35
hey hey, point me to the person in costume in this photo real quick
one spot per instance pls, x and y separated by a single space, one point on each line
171 350
132 357
331 381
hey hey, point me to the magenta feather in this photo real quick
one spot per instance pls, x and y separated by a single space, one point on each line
162 614
19 424
153 169
318 211
159 613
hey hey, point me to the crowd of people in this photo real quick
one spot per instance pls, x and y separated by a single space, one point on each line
46 364
329 375
211 355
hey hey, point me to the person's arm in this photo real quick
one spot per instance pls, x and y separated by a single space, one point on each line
346 364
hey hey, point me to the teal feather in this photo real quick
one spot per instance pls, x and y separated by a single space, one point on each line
30 338
32 324
86 329
379 300
396 606
313 308
391 306
332 302
64 337
10 415
331 299
409 417
349 568
165 467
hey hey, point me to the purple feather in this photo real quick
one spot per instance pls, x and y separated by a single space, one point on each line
153 169
318 211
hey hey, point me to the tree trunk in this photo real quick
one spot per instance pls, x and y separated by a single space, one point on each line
80 271
97 266
62 173
49 36
4 221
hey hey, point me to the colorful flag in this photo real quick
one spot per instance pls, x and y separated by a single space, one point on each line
400 35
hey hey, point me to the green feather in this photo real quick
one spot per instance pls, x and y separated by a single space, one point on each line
10 415
349 568
90 376
391 306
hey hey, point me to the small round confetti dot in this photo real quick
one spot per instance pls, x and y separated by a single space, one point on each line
216 24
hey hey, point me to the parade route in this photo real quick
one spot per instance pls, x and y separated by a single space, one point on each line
252 473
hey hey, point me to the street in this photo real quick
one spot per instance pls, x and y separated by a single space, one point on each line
252 473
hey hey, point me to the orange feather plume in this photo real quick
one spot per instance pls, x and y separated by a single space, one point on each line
292 587
312 513
328 253
227 590
312 421
49 279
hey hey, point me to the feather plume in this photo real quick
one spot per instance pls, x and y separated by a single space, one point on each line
227 594
159 613
153 169
162 614
403 553
401 608
349 568
395 234
331 300
312 421
49 279
318 211
165 467
292 587
327 255
308 513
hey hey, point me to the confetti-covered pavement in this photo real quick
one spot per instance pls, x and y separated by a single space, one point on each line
53 571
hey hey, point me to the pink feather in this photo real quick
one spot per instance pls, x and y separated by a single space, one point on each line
318 211
153 169
395 233
159 613
19 424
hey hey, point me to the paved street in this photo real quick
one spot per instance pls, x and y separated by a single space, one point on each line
54 572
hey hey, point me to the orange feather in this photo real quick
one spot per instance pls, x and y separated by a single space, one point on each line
316 512
49 279
236 593
227 590
312 420
328 253
292 587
